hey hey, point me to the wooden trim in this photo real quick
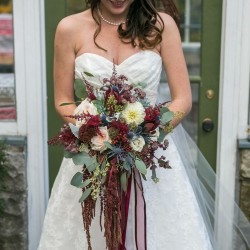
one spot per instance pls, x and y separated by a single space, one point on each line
233 81
244 74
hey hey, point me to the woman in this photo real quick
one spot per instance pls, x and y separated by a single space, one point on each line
138 40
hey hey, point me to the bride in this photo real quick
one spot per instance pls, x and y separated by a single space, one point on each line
138 40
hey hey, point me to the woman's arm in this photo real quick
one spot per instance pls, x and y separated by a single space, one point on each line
176 69
64 61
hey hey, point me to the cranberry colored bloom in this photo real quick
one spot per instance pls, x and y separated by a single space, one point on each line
152 114
86 133
94 120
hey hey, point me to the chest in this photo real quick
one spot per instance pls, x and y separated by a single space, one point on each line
107 44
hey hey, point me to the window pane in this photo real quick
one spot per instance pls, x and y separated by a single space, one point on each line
190 18
195 26
7 78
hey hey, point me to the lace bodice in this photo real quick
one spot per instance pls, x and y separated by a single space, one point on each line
144 66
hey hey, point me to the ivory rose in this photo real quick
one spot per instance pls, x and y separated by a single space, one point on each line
85 107
97 142
154 137
137 143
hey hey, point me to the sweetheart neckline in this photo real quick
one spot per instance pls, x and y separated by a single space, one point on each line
125 60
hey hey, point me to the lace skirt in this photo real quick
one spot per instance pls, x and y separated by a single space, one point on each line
174 220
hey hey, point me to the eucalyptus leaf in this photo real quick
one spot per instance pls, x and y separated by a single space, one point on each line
67 103
144 177
99 104
103 179
108 144
84 159
80 89
161 135
103 165
76 181
164 110
142 84
85 194
126 165
84 184
88 74
153 174
140 165
124 181
167 117
74 129
92 166
67 154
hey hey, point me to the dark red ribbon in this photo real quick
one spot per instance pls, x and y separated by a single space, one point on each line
140 212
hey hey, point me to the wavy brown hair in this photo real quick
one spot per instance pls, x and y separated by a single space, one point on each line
144 25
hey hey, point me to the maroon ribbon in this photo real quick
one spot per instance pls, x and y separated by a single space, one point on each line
140 212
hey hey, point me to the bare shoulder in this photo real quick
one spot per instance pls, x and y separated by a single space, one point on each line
169 23
73 23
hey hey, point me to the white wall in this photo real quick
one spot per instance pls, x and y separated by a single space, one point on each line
233 106
29 47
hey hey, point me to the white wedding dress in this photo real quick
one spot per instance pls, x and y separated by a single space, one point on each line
174 219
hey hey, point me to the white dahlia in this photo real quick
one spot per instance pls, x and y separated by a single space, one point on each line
134 113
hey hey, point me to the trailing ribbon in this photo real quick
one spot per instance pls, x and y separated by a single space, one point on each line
140 235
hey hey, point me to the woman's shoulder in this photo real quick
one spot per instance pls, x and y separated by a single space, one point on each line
169 22
72 23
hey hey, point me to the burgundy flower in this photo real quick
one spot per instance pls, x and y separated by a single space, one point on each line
66 138
94 120
148 127
121 130
86 133
152 114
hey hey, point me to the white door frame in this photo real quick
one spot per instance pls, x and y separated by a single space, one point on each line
233 108
30 74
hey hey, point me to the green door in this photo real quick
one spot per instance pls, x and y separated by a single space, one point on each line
210 78
201 32
201 22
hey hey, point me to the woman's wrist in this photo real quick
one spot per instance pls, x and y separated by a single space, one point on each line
178 116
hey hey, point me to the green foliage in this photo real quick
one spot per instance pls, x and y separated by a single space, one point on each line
162 135
80 89
167 117
3 173
99 105
3 164
74 129
84 159
140 165
88 74
85 194
77 179
124 181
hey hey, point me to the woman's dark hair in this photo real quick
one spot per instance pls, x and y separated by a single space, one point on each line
143 24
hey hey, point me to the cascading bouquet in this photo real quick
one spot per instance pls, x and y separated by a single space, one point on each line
116 135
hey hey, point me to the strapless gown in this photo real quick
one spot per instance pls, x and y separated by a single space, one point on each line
174 220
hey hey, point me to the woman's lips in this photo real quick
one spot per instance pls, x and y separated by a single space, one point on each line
117 4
